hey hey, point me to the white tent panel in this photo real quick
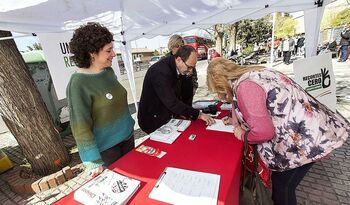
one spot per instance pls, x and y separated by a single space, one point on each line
140 18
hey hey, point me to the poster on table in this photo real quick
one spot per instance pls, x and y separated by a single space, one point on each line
316 76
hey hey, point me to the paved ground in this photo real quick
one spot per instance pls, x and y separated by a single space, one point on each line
327 183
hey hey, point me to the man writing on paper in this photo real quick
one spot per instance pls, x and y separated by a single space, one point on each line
159 100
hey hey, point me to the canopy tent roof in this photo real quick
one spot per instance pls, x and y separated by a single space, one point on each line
135 18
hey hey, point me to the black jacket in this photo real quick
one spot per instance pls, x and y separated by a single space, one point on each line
159 101
345 37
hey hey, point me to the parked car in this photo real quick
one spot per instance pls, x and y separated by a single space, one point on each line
154 59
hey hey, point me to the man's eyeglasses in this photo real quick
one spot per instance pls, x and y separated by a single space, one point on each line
188 66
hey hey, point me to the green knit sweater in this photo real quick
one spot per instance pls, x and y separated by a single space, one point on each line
99 114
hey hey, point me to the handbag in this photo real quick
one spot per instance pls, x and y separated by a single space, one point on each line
252 189
264 172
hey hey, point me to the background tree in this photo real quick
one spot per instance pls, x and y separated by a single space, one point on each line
342 18
254 31
232 37
219 31
35 46
156 52
285 25
25 113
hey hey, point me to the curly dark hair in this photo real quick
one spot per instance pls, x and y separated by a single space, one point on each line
88 39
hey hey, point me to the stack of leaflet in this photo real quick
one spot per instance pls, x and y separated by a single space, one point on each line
181 125
169 132
108 188
166 133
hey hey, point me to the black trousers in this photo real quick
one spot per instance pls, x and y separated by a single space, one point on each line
286 57
117 151
285 183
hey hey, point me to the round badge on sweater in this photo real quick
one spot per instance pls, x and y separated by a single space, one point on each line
109 96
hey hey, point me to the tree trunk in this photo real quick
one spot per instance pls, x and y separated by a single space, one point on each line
25 113
233 37
219 34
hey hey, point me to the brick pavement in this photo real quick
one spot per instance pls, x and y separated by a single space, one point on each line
327 183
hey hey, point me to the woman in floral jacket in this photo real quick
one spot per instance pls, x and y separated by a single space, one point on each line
292 129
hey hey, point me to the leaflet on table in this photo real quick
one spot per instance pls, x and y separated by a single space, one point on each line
155 152
202 104
166 133
226 106
108 188
181 125
221 127
180 186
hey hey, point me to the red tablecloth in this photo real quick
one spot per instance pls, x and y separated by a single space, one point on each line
211 151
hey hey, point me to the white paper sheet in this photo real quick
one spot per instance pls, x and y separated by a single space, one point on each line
220 126
180 186
202 104
226 106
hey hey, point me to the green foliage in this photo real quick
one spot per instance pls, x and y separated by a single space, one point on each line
35 46
328 18
285 25
248 49
342 18
156 53
254 31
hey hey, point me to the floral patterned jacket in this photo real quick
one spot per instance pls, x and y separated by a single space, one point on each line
305 129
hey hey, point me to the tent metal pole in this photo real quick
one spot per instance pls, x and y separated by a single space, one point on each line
273 38
13 37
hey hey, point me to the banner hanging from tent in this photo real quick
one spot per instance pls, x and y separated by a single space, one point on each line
316 76
58 58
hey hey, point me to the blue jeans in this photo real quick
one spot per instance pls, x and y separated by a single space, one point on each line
285 183
344 52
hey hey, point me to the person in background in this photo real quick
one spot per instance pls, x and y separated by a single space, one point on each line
291 128
344 44
333 45
300 45
291 45
187 85
159 101
99 115
279 48
286 50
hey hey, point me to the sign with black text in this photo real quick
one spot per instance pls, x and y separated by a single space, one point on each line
316 76
58 59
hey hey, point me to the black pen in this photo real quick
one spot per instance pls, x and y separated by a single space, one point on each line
160 179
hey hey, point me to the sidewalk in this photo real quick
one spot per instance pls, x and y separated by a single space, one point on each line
327 183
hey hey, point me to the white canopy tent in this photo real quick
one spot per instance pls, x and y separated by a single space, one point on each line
133 19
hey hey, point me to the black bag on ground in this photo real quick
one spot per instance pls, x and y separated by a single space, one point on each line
252 189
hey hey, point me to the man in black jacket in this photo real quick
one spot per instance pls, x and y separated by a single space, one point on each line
159 101
344 43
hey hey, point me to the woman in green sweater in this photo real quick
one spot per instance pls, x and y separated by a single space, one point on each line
99 116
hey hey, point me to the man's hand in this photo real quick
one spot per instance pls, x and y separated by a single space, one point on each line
227 120
206 118
96 171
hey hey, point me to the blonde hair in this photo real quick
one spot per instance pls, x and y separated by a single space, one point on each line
174 41
220 71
